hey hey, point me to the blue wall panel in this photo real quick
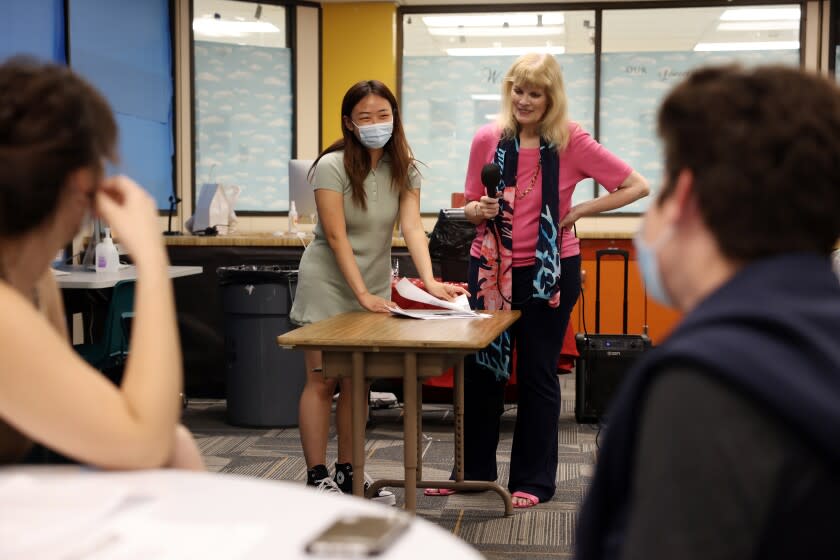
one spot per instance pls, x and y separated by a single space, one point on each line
33 27
124 48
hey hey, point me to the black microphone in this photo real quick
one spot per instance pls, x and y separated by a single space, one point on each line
491 174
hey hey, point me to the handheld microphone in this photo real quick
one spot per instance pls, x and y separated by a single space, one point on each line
491 174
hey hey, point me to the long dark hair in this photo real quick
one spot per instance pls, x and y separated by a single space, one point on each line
52 122
357 158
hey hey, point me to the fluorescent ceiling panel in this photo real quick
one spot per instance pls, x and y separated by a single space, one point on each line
497 31
749 46
224 27
494 20
760 14
503 51
758 25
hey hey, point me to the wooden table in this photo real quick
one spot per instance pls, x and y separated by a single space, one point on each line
366 346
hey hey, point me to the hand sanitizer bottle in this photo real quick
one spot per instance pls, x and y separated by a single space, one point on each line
293 218
107 257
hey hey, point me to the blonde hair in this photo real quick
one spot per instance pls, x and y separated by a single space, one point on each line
538 71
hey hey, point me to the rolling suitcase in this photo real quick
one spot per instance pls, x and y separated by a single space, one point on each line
604 358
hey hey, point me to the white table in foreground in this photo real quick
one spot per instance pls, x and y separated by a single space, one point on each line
57 512
82 278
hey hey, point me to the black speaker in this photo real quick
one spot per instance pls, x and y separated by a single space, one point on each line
603 363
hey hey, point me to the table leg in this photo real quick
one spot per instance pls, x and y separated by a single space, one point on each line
419 430
410 430
411 421
359 412
458 389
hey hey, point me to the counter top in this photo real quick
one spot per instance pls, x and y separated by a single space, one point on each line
251 240
600 227
615 234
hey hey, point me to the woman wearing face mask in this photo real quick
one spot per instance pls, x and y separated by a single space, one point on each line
526 257
55 133
364 182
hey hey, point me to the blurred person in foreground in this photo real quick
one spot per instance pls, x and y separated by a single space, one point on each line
56 133
724 442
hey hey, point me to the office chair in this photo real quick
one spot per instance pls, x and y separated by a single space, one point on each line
112 350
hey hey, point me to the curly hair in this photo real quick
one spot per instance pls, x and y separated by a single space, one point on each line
52 122
763 145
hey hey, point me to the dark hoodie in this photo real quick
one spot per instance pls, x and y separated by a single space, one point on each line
772 334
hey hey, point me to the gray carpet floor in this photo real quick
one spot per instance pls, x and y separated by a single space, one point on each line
545 531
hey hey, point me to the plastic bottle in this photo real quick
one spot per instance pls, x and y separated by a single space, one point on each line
107 257
293 218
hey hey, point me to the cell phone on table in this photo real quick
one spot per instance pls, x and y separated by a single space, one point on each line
359 535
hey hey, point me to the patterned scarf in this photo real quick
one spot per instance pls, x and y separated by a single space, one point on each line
496 261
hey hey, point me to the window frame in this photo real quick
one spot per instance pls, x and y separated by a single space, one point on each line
291 34
599 8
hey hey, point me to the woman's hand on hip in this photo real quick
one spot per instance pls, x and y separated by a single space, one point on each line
375 303
572 216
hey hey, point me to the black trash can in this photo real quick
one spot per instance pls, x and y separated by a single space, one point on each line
264 382
449 244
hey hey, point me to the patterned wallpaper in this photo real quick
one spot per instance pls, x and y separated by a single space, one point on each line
444 102
633 84
243 122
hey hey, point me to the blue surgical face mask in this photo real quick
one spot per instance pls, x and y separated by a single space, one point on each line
649 265
375 136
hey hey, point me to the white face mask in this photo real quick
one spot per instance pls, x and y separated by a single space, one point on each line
375 136
649 265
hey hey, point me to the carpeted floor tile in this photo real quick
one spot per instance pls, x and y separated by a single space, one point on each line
543 532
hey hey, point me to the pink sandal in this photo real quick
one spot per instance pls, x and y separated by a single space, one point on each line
532 500
439 492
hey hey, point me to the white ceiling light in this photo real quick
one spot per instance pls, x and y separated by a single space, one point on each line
228 28
760 14
758 25
503 51
750 46
486 96
494 20
497 31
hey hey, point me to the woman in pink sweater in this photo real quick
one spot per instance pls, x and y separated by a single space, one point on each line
526 257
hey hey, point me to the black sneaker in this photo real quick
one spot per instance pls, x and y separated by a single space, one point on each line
319 478
344 480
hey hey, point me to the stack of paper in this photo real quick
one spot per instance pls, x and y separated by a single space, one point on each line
458 309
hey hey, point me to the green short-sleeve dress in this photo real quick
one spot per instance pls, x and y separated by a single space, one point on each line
322 290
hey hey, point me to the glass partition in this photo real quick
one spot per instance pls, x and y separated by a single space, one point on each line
645 52
243 101
452 66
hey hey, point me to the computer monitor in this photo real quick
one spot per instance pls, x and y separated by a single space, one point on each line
301 191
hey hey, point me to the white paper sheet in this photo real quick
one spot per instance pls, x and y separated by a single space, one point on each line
458 309
36 516
40 518
437 314
409 291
